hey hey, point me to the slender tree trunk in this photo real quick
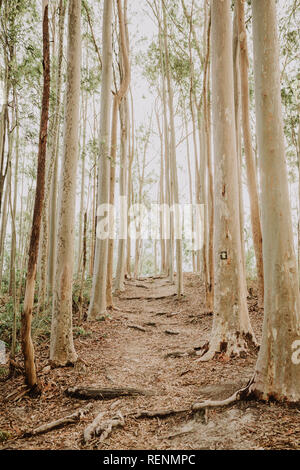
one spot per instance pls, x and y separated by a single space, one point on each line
27 345
277 372
12 280
54 156
190 188
237 113
161 201
231 332
62 349
120 271
250 161
210 282
173 165
117 100
98 296
82 189
129 188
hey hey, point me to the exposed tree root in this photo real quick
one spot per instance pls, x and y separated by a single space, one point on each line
102 428
33 392
113 308
15 368
176 354
236 345
158 413
149 299
239 395
97 393
70 419
161 297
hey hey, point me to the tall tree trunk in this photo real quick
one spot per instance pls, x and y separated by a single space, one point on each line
12 280
277 372
129 188
190 189
62 349
98 295
120 271
210 282
231 330
125 81
173 164
54 150
237 113
250 161
82 189
26 318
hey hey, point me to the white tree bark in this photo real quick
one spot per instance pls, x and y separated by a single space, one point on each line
249 154
98 296
62 349
120 270
231 331
277 373
173 164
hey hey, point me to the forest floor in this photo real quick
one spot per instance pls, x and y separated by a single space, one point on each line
114 353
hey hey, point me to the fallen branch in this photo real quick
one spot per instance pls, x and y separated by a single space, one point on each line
171 332
96 393
137 327
70 419
150 323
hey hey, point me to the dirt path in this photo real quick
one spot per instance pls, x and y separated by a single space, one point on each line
130 349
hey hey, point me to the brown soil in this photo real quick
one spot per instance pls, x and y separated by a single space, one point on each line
113 354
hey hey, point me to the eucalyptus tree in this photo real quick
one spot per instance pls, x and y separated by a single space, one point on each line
55 148
62 349
173 165
249 154
98 296
118 97
277 372
27 345
231 331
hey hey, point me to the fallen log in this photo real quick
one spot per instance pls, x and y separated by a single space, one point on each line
98 393
70 419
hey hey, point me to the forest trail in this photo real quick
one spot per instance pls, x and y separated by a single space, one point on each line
129 349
